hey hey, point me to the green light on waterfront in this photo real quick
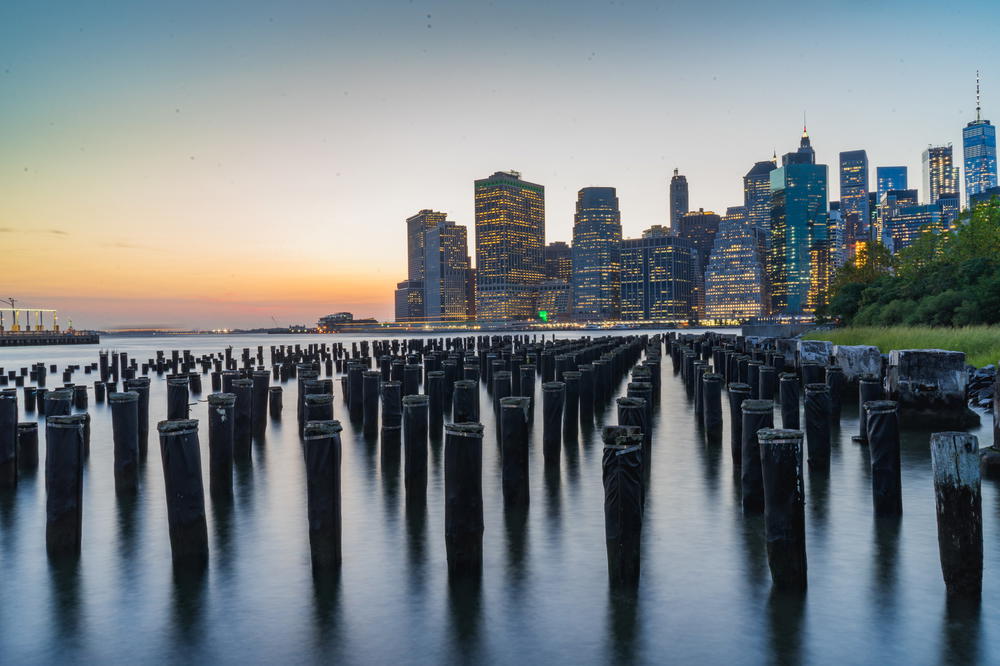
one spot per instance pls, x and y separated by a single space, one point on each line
543 315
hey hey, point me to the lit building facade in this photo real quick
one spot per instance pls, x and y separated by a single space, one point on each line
678 198
889 178
409 301
734 278
554 299
437 270
597 240
940 173
979 148
558 261
798 257
854 195
757 193
510 241
658 277
889 206
837 235
700 228
908 222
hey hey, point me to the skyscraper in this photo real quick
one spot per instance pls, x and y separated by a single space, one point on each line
734 279
798 266
854 195
437 270
658 274
510 240
890 178
979 150
757 193
597 238
678 198
558 261
940 174
699 228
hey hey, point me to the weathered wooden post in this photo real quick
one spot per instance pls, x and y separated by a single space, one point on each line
181 457
125 434
737 394
784 507
261 379
177 398
571 411
553 398
622 466
955 463
514 449
415 419
869 390
8 440
370 380
634 412
788 389
323 453
275 394
221 443
757 415
837 382
243 425
63 483
501 389
466 407
141 386
27 445
435 400
463 508
712 408
817 411
586 392
768 379
58 402
883 447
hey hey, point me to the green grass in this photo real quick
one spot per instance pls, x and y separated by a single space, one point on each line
981 344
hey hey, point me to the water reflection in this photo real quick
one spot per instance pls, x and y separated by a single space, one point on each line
755 547
326 606
222 532
188 601
623 604
64 575
885 534
785 613
465 606
961 626
516 527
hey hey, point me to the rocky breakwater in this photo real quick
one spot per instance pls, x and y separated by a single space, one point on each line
930 387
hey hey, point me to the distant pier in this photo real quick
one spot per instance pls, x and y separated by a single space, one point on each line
36 338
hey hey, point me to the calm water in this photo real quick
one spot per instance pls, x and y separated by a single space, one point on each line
875 590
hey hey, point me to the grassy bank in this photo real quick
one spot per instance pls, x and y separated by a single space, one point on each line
981 344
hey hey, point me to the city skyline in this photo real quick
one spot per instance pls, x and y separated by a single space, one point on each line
231 182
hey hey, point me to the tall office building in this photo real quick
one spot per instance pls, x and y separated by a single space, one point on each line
597 239
700 228
678 198
840 250
854 195
510 241
734 279
558 261
940 174
757 193
798 265
889 178
437 270
979 151
658 276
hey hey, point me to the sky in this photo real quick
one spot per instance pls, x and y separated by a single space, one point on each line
233 164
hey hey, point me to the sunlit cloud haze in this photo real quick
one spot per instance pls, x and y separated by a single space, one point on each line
220 164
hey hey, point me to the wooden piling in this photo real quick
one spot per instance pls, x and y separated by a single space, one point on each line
784 507
181 458
958 498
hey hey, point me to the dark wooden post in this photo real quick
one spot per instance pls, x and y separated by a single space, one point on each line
125 433
64 484
181 456
323 453
955 462
784 507
463 509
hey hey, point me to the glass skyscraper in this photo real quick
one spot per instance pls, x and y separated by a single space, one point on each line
734 279
658 275
940 174
437 270
979 151
510 242
597 239
798 265
889 178
757 193
854 195
559 261
678 198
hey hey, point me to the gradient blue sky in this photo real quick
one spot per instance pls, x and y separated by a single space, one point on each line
213 164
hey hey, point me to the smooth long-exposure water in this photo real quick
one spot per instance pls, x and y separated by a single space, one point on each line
875 588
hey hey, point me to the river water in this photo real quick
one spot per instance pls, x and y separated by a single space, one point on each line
875 589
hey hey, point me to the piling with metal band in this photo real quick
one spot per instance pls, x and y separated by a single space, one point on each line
436 399
712 408
80 397
58 402
463 508
63 484
181 458
883 449
622 469
317 407
501 388
141 386
8 439
788 390
837 382
470 371
757 415
29 398
784 507
261 379
370 381
958 498
737 394
634 412
27 445
767 381
571 410
514 418
125 434
275 394
813 373
178 398
466 402
817 410
869 390
553 399
323 454
243 419
221 443
415 412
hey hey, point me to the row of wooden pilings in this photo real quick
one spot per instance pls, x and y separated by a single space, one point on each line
770 460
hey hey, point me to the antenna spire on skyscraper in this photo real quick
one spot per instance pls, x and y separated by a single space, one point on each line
978 107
